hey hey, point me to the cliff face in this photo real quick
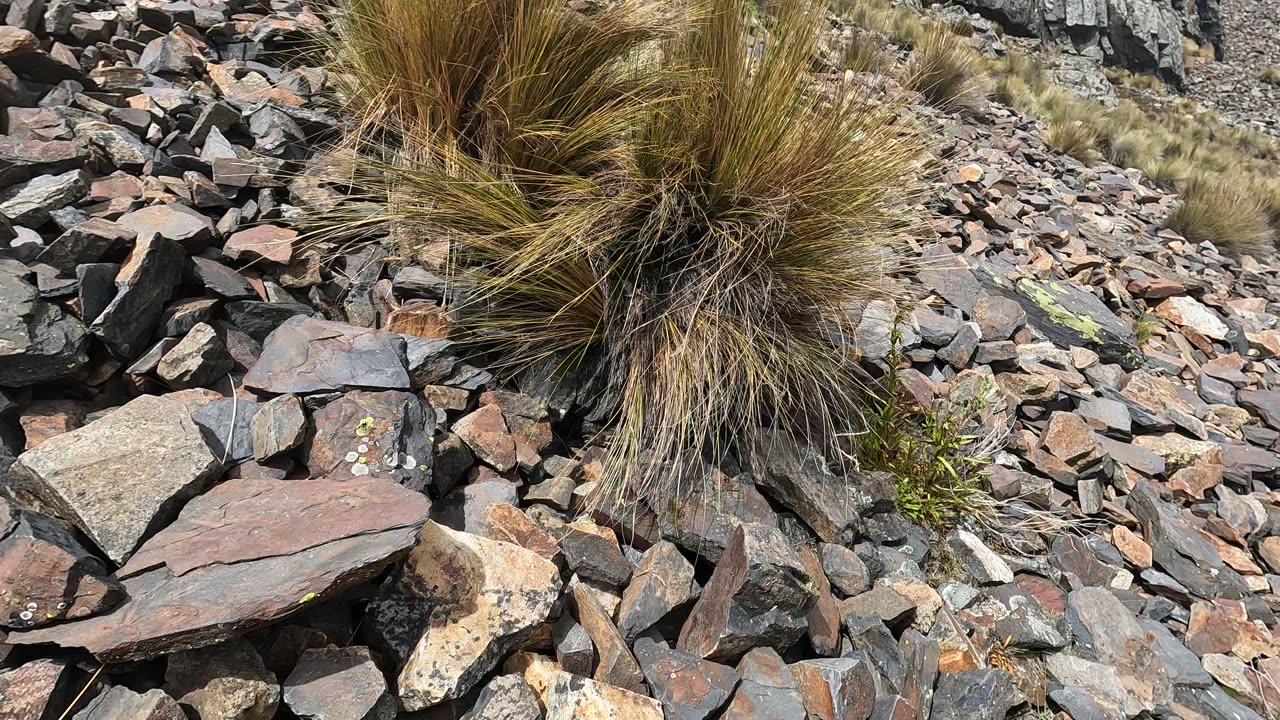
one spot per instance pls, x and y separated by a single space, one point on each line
1141 35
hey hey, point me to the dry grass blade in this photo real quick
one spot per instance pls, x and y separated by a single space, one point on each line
1072 138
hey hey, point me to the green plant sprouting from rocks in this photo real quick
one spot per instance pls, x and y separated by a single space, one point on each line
935 454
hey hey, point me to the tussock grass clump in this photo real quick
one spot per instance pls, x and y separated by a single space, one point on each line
1271 75
946 71
862 52
672 204
1223 211
1073 138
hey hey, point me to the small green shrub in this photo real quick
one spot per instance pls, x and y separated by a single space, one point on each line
1145 326
936 459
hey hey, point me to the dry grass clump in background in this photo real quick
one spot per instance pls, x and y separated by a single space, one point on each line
693 225
1271 75
1136 81
946 71
1193 52
1073 138
1226 213
862 52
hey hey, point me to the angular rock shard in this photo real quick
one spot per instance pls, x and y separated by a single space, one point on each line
759 595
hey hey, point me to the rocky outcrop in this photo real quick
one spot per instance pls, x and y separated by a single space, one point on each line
1141 35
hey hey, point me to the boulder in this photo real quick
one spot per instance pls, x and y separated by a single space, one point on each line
478 600
38 341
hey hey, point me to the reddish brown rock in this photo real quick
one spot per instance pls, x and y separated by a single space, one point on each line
759 595
767 691
268 243
38 690
45 573
243 555
835 688
615 664
662 582
485 432
385 435
689 688
825 616
1194 481
43 420
527 422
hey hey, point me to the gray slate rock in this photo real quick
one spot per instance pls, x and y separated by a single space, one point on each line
38 341
123 476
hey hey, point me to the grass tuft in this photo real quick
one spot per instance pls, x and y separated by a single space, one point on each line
1271 75
1223 211
946 71
674 205
1073 138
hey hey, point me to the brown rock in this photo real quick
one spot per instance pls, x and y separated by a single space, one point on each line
662 582
824 617
481 599
615 664
384 435
759 595
510 524
261 243
279 426
243 555
1180 451
45 573
689 688
38 690
1069 438
223 682
485 432
200 358
1194 481
1269 551
43 420
767 691
835 688
421 318
883 602
1133 548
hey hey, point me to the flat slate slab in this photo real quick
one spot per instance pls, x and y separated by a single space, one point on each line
244 555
